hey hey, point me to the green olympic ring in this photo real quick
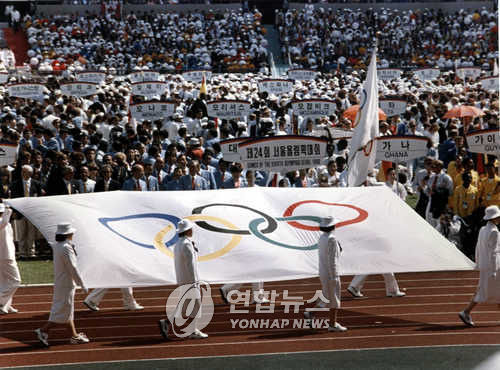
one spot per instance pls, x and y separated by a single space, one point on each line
253 227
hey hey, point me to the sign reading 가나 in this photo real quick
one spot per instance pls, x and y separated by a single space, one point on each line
387 74
282 153
228 109
149 88
275 86
26 90
427 74
314 108
484 141
401 148
152 110
197 76
392 107
301 74
91 76
78 88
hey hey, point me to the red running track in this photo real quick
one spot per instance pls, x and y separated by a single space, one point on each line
427 316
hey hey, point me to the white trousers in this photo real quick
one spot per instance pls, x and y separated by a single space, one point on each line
391 284
26 234
10 280
98 294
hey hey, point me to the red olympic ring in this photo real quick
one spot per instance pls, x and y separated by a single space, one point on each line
289 212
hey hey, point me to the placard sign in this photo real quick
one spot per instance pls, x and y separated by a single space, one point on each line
391 107
401 148
484 141
27 91
229 149
228 109
152 110
387 74
490 83
197 76
301 74
468 72
141 76
282 153
7 154
4 77
79 88
148 88
275 86
314 108
91 76
427 74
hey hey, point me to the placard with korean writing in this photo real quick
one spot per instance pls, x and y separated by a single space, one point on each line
484 141
91 76
282 153
4 77
197 76
229 149
490 83
427 74
391 107
27 91
314 108
387 74
401 148
301 74
469 72
152 110
141 76
275 86
148 88
228 109
79 88
7 154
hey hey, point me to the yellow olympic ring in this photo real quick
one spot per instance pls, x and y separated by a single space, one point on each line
158 240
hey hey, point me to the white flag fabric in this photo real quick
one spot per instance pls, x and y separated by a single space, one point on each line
363 151
243 235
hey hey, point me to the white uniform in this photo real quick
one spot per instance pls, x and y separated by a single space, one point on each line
186 269
10 279
66 278
98 294
329 255
488 262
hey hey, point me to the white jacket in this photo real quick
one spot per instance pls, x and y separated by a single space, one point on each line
329 255
7 247
186 264
66 273
488 248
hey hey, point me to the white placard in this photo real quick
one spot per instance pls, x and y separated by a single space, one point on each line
228 109
197 76
7 154
468 72
148 88
142 76
401 148
4 77
27 91
387 74
282 153
79 88
300 74
391 107
275 86
91 76
427 74
490 83
314 108
152 110
484 141
229 149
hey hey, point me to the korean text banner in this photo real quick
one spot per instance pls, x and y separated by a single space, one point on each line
243 235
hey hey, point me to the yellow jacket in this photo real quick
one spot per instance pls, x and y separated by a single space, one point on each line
487 192
465 200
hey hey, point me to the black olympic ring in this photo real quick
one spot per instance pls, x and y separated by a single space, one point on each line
271 222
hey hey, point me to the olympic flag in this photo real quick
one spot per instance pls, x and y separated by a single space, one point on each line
244 235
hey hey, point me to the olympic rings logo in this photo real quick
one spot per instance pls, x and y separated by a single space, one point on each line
223 226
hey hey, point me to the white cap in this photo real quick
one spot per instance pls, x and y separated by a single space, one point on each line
65 228
184 225
328 221
491 212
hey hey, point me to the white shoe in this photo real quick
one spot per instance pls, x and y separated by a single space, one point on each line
81 338
3 311
42 337
465 317
12 310
198 334
164 324
354 292
337 328
397 294
91 305
135 307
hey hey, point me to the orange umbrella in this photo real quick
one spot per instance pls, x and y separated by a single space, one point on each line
463 111
350 113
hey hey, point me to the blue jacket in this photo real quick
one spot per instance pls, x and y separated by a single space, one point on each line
199 183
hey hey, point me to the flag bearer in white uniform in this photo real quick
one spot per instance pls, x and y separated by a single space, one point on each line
329 266
488 263
66 279
10 279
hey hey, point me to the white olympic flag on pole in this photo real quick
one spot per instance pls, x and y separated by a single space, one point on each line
248 234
